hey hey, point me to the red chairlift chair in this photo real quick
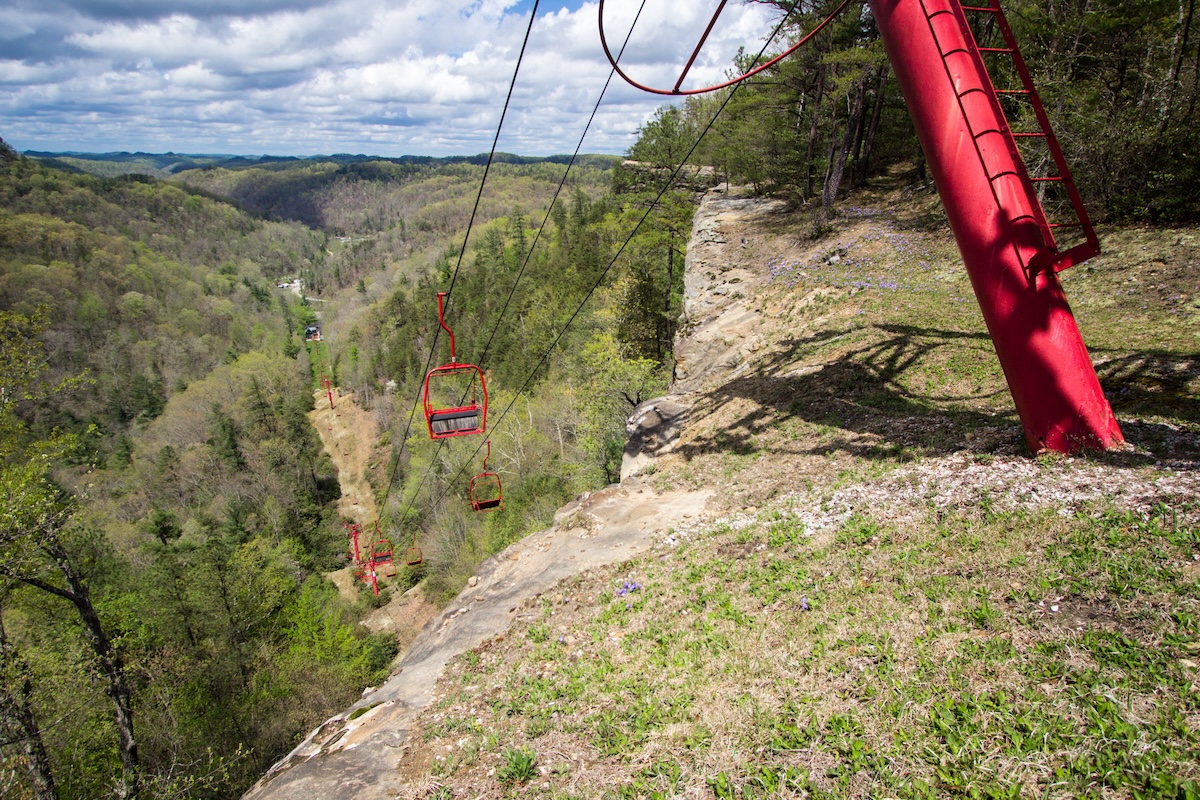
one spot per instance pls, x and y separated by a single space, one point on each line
413 556
484 492
381 558
455 378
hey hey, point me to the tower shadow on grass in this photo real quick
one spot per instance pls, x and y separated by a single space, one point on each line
1154 395
862 401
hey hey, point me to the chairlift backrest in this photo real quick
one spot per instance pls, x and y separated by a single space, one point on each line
485 492
381 551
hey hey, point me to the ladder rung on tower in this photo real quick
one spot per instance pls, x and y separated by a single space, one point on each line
1053 255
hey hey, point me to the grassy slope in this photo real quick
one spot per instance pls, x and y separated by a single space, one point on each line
897 602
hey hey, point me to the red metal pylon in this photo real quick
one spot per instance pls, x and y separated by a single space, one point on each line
994 213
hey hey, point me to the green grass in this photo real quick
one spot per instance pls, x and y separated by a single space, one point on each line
917 670
519 765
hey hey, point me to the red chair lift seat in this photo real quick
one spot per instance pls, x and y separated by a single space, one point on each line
382 558
461 420
486 499
485 492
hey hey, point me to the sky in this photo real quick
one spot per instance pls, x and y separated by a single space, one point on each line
380 77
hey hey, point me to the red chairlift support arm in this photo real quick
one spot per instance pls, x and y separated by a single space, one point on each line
687 68
442 322
676 91
353 531
1049 372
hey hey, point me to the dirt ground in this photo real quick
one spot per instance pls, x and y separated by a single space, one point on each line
348 433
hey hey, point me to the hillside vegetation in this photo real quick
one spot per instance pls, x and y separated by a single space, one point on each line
880 609
165 624
147 346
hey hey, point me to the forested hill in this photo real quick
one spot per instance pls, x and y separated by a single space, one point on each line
168 515
167 507
164 165
391 209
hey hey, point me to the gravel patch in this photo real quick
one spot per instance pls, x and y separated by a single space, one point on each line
965 483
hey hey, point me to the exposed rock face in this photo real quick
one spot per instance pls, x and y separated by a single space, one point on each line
689 178
720 323
651 431
719 327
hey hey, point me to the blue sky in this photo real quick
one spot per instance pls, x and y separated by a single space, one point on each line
300 77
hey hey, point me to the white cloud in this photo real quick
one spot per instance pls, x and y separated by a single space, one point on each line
19 73
416 76
436 79
195 76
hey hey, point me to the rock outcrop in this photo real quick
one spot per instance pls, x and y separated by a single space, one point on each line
719 328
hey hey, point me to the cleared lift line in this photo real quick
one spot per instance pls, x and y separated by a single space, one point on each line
466 237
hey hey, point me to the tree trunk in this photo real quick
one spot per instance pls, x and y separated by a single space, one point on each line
876 112
664 342
831 157
1179 49
17 720
1195 91
116 687
108 658
860 133
833 179
814 129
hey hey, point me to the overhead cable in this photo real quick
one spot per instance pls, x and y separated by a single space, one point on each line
650 207
462 251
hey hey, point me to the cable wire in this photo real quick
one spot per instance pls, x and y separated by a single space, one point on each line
528 256
462 251
662 191
650 208
561 183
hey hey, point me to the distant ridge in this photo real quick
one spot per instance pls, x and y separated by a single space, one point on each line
165 164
